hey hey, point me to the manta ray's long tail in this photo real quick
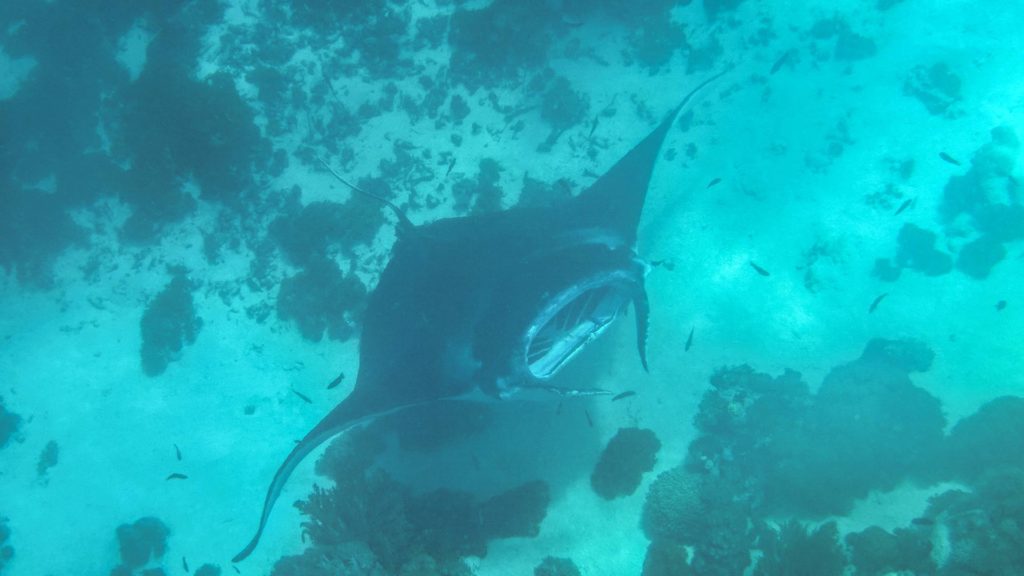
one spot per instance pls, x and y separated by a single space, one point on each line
344 417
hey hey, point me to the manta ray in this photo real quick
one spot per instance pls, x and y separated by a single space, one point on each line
495 303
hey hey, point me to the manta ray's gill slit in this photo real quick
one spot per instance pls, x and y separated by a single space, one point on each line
571 327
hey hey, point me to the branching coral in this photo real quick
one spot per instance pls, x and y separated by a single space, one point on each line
168 324
402 530
877 552
627 457
794 550
984 529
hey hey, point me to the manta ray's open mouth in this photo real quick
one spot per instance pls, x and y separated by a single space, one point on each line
570 321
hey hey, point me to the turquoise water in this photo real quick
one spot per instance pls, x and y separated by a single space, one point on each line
834 347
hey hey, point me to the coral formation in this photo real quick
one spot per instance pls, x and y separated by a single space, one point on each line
916 251
482 194
990 439
673 510
984 529
168 324
6 551
498 42
627 457
877 552
937 87
397 531
562 108
34 230
315 230
47 458
795 549
552 566
817 454
9 424
142 541
321 299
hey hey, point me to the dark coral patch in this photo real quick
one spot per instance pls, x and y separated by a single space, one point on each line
627 457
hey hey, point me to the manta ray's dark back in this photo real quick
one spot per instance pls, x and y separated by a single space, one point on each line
489 302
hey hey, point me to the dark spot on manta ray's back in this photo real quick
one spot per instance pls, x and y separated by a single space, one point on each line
495 301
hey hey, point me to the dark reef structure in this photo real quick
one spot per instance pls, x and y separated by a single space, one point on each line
174 128
817 454
6 550
990 439
311 232
500 42
875 551
322 299
795 549
169 324
984 205
629 455
141 543
9 424
369 523
937 87
552 566
985 527
562 108
769 449
34 230
482 194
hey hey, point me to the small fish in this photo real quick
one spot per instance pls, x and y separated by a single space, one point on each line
237 571
176 476
184 564
451 165
878 300
922 521
947 158
558 410
301 395
689 340
622 395
1001 305
786 56
593 126
759 270
667 264
177 452
906 204
334 383
713 182
590 420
